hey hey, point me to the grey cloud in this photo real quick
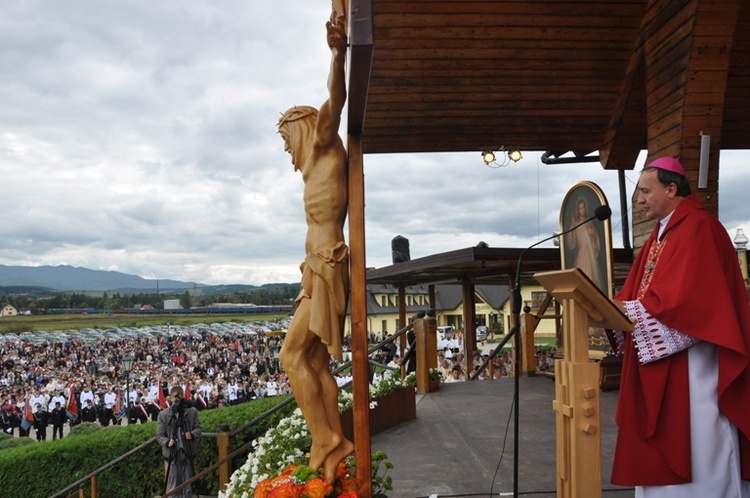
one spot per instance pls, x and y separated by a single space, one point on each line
141 137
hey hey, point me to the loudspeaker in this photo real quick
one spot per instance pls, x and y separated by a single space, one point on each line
400 249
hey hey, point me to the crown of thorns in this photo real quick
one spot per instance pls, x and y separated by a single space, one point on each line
296 113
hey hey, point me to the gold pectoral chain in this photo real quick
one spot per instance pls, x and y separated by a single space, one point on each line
653 257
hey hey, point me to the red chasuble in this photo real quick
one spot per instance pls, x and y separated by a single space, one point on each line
697 288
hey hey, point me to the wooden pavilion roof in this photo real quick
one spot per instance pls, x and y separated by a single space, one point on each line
544 75
483 265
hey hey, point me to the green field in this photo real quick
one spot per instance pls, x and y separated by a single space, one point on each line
18 324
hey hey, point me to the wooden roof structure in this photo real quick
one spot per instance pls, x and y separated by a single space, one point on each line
483 265
613 76
547 75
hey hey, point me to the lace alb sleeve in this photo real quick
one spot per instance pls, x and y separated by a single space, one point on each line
653 339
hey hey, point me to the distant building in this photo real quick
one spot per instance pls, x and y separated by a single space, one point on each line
172 304
492 307
8 310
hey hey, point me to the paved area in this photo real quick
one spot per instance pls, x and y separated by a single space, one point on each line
462 442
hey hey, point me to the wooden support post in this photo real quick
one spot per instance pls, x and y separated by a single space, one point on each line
93 487
470 338
358 305
528 362
423 371
431 333
225 469
401 318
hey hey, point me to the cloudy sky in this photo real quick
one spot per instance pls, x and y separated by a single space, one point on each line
140 137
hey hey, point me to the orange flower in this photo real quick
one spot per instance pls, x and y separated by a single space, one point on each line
317 488
286 490
263 488
347 484
342 470
349 494
289 470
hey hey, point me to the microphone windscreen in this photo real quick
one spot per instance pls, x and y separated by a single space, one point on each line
603 212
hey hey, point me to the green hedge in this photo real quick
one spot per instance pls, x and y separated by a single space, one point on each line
43 469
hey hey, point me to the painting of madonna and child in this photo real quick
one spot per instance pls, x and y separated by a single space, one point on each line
588 247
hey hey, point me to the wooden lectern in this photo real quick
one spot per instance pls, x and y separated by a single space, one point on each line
578 420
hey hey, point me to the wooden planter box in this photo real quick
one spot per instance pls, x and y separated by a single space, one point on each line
393 409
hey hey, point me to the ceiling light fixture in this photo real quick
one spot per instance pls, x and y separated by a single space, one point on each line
491 157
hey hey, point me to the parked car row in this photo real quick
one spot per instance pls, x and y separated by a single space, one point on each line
88 335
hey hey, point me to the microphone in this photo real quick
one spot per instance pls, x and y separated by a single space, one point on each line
601 213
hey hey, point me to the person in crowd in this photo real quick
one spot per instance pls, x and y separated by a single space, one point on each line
153 409
41 421
58 398
140 414
456 374
272 387
481 374
88 412
389 349
394 366
7 416
38 401
58 417
410 357
232 389
110 399
86 394
684 397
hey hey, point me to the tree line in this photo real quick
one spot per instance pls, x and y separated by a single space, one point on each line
38 303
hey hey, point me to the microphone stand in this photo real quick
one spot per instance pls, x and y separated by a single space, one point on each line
601 214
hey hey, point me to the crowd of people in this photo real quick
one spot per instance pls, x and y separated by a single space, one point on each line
213 370
454 367
36 380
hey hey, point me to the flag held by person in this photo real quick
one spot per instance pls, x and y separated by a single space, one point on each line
120 407
71 409
28 416
143 410
163 403
201 400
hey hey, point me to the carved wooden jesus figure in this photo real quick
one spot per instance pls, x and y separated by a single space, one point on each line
316 331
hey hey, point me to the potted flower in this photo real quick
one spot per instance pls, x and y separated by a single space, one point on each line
435 377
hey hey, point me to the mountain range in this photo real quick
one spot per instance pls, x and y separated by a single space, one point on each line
68 278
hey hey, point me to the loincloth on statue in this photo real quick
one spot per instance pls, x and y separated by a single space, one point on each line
325 282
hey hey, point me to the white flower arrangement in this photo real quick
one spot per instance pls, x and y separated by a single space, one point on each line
287 444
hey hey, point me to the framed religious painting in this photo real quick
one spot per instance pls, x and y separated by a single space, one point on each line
588 246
